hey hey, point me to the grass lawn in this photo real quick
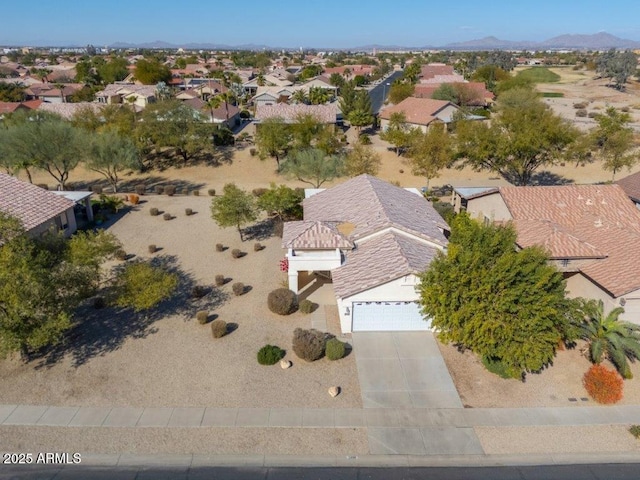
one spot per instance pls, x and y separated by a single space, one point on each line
539 75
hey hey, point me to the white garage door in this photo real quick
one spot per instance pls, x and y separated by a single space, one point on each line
388 316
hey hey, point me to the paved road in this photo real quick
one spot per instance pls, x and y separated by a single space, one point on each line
555 472
377 92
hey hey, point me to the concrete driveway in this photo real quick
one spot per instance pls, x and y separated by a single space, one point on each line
403 370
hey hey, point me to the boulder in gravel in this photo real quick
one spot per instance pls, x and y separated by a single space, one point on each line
334 391
284 364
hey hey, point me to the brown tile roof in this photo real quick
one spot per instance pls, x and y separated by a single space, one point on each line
631 186
8 107
314 234
372 205
418 111
290 113
426 90
582 218
68 110
381 260
32 205
433 69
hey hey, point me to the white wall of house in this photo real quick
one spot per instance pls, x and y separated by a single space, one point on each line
491 207
402 290
66 222
311 261
580 286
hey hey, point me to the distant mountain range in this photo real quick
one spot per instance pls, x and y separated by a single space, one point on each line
597 41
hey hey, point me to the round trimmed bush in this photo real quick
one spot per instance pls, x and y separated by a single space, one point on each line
188 212
152 248
196 193
133 198
309 345
270 355
282 301
198 291
120 254
581 113
219 247
170 190
140 189
212 192
603 385
202 316
154 212
306 306
257 247
219 280
218 328
236 253
167 216
159 189
238 288
334 349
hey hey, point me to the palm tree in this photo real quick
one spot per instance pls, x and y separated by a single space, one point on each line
609 337
299 96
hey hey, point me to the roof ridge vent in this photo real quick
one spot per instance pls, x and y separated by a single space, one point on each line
589 201
597 223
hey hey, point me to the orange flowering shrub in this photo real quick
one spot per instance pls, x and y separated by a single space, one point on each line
603 385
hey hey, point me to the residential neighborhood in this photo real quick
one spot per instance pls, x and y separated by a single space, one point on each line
256 257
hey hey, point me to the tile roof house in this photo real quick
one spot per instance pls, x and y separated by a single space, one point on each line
375 239
37 209
484 96
591 232
420 112
290 113
631 186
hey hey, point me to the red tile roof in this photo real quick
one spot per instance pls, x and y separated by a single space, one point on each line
577 221
433 69
32 205
314 235
418 111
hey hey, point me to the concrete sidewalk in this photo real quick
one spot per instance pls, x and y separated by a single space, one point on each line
35 415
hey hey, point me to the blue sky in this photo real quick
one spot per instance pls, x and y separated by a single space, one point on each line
310 23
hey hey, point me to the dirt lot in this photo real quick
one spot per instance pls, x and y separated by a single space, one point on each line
118 358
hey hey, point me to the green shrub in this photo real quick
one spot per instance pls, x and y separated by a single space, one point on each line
142 286
334 349
218 328
152 248
253 152
236 253
219 280
159 189
212 192
365 139
309 345
196 193
257 247
495 365
238 288
202 316
306 306
154 212
97 189
580 105
112 203
635 431
581 113
120 254
258 192
219 247
170 190
167 216
270 355
282 301
140 189
188 212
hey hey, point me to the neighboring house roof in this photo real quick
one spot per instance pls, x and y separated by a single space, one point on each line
67 110
314 235
9 107
631 186
427 90
469 193
450 78
371 205
418 111
433 69
381 260
32 205
291 113
583 218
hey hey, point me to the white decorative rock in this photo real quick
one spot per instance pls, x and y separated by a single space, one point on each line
284 364
334 391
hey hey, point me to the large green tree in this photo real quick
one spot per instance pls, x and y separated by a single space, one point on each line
430 152
150 72
504 305
362 159
399 91
617 66
614 139
285 202
142 286
234 208
110 155
273 138
46 142
459 93
313 166
517 142
397 132
610 338
172 124
12 92
42 281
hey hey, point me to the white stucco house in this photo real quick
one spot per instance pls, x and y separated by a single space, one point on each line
374 239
